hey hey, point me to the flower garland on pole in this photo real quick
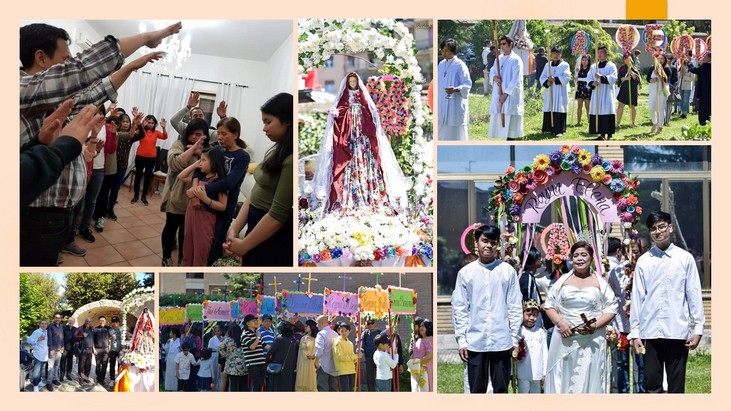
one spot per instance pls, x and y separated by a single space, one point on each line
397 94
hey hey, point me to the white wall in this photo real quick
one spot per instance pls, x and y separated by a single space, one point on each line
264 79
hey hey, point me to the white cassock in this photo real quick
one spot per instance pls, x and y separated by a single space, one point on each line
556 96
605 95
558 91
511 71
658 98
454 112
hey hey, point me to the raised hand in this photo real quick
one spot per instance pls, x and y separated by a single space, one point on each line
135 110
221 109
51 127
87 119
155 37
194 99
163 123
112 107
140 62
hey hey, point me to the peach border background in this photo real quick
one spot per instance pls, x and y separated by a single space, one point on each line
290 9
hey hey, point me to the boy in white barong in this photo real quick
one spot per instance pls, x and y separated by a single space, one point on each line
556 96
531 369
602 78
453 93
510 82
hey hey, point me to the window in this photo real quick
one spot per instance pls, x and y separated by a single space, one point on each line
351 61
329 63
675 179
194 291
194 275
330 86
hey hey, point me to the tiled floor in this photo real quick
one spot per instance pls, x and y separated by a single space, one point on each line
132 240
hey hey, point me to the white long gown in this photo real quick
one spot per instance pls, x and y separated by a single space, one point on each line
511 71
579 364
172 348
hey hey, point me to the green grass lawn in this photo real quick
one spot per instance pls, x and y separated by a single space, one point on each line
533 121
450 377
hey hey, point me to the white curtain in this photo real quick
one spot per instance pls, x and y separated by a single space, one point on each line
158 94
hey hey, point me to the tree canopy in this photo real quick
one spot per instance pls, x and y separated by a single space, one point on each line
84 288
38 300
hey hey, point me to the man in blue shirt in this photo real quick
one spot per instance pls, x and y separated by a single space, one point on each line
40 354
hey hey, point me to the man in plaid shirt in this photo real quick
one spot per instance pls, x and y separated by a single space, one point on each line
48 77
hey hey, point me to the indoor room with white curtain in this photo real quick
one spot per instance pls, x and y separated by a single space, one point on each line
242 62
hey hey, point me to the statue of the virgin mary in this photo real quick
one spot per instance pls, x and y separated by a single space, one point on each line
357 170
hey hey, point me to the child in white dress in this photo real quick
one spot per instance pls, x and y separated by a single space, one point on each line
533 356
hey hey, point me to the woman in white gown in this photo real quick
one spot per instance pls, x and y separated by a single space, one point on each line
172 348
577 357
357 169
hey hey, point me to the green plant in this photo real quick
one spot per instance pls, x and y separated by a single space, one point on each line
697 132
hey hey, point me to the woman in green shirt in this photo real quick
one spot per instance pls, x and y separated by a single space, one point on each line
268 210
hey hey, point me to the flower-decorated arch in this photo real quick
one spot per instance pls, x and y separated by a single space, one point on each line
606 193
397 95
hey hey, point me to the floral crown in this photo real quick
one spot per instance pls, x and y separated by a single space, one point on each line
530 305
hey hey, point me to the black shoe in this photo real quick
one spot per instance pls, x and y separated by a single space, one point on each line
87 235
144 200
61 377
49 387
56 382
134 199
112 216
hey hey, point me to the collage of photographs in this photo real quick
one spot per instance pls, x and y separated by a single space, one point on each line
401 204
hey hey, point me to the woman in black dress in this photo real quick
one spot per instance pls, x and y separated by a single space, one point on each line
283 351
629 82
583 93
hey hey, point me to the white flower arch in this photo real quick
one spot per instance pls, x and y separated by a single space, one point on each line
391 42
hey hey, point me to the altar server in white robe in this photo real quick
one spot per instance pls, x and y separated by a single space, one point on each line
602 78
510 82
556 95
453 93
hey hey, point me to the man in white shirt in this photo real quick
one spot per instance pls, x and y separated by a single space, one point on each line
39 341
602 78
485 65
666 297
326 374
507 94
487 314
453 93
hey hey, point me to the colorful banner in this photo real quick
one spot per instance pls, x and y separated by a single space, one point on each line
302 303
172 315
216 311
268 306
194 312
247 307
403 300
341 303
373 301
570 185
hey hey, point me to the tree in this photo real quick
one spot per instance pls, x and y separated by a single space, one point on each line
148 280
675 29
84 288
239 284
38 300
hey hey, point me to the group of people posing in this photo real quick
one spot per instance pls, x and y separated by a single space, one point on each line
561 334
314 355
600 88
54 347
71 174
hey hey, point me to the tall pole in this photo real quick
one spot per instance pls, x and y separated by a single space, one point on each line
497 64
596 88
550 85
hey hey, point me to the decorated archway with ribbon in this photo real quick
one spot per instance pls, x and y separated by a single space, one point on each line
374 240
589 192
